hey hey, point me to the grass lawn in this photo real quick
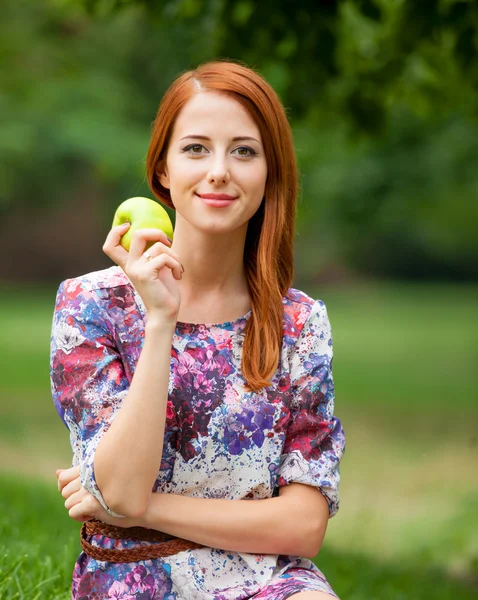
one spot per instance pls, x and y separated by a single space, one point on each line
404 362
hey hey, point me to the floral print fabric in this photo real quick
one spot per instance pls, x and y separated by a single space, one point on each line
219 440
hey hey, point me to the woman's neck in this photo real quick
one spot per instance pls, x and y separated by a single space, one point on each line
214 285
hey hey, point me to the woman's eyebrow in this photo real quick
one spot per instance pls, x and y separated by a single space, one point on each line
234 139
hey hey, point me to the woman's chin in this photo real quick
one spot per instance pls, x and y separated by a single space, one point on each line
215 225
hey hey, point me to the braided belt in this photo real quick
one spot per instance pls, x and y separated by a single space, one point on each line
166 544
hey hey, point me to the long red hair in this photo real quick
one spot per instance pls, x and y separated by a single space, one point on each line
268 253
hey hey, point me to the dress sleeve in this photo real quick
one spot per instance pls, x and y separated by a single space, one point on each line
88 380
315 440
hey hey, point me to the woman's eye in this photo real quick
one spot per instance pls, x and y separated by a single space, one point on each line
245 151
194 149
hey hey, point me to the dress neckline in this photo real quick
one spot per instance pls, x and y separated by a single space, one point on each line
225 325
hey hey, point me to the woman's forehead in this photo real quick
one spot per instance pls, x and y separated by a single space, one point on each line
214 114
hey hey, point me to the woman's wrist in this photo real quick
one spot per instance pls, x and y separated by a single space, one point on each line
158 324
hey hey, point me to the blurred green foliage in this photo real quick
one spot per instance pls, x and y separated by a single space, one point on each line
352 56
382 97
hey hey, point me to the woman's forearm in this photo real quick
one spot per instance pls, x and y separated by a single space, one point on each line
128 457
269 526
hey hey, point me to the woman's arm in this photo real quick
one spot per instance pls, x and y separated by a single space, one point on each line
293 523
128 456
117 428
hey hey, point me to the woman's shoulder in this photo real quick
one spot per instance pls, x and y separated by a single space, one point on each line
296 302
103 279
296 298
299 308
108 290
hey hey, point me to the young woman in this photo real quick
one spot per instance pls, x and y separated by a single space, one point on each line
195 382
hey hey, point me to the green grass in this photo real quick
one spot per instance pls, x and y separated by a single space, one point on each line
38 543
411 347
404 370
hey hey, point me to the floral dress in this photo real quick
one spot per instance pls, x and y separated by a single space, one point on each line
220 441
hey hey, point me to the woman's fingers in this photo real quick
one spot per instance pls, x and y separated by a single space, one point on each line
82 506
79 513
75 498
66 475
73 487
140 239
164 260
159 248
112 246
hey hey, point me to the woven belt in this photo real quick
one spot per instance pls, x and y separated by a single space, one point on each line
166 544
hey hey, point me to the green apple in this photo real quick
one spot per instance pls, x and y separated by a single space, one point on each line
142 213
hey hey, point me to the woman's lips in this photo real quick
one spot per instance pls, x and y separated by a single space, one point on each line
217 200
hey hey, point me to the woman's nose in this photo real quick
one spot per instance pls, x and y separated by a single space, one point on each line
219 173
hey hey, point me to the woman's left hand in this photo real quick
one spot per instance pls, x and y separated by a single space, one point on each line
81 505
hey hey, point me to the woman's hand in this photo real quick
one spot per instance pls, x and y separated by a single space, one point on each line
154 278
83 506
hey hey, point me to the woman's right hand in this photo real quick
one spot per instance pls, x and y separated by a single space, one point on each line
155 279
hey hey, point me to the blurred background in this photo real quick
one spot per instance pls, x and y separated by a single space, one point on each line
382 96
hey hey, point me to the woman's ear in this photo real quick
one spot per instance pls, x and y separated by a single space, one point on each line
163 176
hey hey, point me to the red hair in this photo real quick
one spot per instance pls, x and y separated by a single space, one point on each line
268 253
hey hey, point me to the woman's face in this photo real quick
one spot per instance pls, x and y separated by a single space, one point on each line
215 168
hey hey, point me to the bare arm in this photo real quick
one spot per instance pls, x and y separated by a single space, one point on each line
293 523
128 457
